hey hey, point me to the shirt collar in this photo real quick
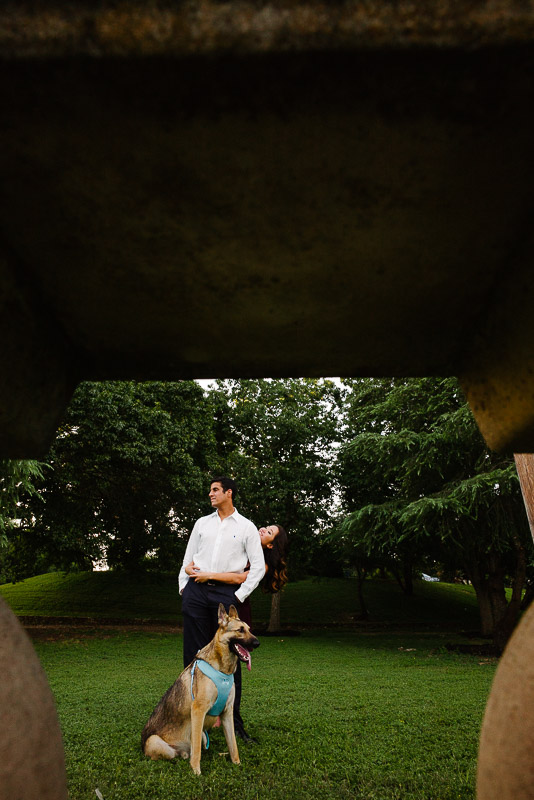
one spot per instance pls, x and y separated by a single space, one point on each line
234 515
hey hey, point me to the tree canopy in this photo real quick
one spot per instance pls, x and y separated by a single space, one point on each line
374 472
277 438
17 479
129 470
127 475
421 488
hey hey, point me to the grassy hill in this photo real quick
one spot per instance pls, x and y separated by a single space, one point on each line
317 602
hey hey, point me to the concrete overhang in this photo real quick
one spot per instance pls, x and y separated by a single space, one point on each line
248 188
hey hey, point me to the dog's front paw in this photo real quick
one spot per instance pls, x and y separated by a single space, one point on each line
195 765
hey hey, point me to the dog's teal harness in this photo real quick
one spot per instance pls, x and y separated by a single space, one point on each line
222 681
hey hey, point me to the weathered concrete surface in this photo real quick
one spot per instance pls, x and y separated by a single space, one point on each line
211 189
32 765
506 764
174 27
37 378
204 189
499 370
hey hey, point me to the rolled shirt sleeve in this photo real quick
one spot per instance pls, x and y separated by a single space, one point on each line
257 563
190 550
225 546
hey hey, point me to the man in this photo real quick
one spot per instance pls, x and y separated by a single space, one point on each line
224 541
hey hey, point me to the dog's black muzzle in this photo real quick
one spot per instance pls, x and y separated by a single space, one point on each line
250 644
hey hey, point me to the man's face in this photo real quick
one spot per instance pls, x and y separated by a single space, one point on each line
217 495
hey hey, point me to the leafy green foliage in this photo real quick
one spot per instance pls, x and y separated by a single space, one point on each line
128 473
422 488
276 437
17 479
338 715
131 464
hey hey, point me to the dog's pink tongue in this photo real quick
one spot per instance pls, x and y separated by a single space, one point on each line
245 656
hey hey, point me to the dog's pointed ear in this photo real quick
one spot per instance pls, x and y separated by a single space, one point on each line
232 613
223 616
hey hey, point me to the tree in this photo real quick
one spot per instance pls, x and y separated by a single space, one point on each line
17 484
277 438
420 485
17 479
128 472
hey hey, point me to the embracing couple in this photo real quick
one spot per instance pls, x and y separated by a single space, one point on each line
226 558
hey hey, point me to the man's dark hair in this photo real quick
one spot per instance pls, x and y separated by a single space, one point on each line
226 483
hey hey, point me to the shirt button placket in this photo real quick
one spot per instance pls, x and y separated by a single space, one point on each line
217 547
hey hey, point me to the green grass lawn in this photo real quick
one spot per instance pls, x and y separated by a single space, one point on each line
339 714
309 602
344 710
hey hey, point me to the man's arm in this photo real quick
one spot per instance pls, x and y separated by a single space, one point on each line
256 561
222 577
191 549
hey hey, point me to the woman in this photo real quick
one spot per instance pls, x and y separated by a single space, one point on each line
274 542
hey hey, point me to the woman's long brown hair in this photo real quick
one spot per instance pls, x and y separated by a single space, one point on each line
276 559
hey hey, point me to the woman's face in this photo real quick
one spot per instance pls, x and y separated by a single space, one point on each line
268 535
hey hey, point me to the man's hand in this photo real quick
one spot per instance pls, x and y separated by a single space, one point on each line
202 577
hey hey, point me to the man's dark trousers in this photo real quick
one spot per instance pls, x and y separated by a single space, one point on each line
200 606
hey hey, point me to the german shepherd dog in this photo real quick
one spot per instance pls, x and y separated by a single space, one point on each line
177 723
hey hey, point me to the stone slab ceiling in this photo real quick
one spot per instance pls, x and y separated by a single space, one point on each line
252 189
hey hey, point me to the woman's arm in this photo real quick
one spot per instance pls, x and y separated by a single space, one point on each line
223 577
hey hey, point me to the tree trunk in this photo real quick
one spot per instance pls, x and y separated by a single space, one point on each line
396 574
274 619
408 576
485 608
497 617
361 572
405 580
488 582
505 626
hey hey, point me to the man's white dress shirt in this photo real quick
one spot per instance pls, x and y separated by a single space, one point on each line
226 545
